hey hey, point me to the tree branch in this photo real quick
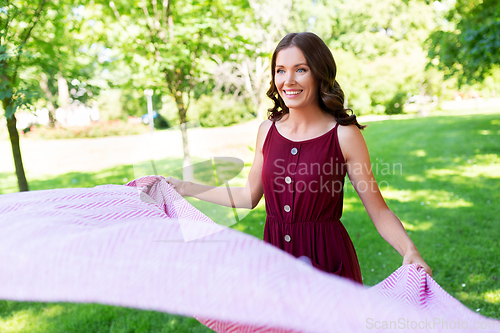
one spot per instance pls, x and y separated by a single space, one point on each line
149 19
117 14
36 19
7 21
27 31
156 16
166 6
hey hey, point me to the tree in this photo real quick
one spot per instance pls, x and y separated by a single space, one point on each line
18 20
247 75
177 37
378 47
40 46
468 41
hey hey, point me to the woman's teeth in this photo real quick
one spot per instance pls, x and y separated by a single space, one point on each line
292 92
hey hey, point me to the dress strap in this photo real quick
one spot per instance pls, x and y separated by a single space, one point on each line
268 137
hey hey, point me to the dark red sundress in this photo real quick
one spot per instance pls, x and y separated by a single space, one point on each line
303 187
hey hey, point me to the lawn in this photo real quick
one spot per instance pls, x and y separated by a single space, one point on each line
440 175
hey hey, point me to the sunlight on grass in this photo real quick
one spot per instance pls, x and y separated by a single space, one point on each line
492 296
485 165
27 320
423 226
442 173
419 153
239 227
8 183
415 178
488 171
431 197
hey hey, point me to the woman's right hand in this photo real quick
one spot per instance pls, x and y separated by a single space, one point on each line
178 185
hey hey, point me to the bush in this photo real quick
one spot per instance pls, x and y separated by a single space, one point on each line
160 122
217 110
95 130
395 105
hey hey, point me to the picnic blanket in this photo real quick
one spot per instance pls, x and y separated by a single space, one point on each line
144 246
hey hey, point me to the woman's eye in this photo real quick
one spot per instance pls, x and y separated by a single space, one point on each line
301 70
279 71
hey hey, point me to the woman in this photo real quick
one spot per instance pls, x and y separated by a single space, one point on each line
302 155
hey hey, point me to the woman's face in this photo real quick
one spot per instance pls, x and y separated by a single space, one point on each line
294 80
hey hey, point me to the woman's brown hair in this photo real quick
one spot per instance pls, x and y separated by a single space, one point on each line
320 59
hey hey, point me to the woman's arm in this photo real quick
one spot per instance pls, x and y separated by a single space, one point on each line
238 197
387 223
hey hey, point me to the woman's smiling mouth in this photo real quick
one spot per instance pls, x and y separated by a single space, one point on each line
292 93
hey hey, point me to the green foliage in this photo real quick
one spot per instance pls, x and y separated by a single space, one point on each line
217 110
375 86
44 37
170 42
17 21
467 44
160 122
17 98
378 47
110 105
365 28
395 105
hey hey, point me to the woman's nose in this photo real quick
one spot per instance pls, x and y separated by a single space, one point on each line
289 79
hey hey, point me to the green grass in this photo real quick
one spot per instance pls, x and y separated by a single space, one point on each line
447 196
29 317
445 188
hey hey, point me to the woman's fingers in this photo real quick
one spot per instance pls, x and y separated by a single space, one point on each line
175 183
415 258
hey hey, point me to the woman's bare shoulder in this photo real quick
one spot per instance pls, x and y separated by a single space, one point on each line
351 140
349 130
264 127
262 133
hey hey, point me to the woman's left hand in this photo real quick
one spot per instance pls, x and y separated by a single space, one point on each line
414 257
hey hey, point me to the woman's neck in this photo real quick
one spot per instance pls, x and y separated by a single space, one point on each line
300 119
300 124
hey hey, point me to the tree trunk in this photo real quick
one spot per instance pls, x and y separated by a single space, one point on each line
16 151
52 112
187 166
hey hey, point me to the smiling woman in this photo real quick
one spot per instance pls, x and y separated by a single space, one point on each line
303 153
303 66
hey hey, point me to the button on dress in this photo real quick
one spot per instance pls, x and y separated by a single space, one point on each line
303 185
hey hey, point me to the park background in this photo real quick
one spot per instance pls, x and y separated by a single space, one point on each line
424 75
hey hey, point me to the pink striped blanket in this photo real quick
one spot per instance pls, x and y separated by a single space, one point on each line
126 246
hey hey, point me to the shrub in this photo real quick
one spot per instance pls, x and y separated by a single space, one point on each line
95 130
161 122
395 105
217 110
